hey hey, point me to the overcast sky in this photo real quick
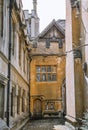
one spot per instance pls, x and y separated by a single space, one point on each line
47 10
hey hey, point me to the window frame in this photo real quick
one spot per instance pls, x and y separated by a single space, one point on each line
47 73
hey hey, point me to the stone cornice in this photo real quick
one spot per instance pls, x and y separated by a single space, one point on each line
53 54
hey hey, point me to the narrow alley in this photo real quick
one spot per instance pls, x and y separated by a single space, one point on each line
43 74
44 124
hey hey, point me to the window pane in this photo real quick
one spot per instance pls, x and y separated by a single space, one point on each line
49 105
43 69
53 68
46 73
47 43
38 69
60 43
38 77
46 106
43 77
49 77
52 106
34 44
53 77
48 68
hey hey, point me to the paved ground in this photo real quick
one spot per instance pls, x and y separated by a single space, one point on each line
61 127
44 124
3 125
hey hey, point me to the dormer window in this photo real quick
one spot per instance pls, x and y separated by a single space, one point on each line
47 43
60 43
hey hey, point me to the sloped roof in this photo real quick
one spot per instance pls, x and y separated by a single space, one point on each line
60 25
61 22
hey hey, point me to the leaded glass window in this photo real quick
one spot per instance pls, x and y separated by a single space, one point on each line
46 73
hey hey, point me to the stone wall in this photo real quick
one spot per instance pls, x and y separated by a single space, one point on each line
47 91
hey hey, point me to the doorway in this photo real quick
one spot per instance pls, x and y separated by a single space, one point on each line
37 111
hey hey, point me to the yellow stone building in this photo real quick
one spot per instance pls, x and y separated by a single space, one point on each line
47 71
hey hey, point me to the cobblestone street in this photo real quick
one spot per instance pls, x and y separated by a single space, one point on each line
45 124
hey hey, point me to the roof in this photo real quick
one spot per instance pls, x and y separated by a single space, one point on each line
61 22
60 25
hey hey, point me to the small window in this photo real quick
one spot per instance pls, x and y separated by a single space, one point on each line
46 106
47 43
13 36
43 77
52 106
60 43
38 69
38 77
49 105
46 73
49 69
43 69
34 44
49 77
53 77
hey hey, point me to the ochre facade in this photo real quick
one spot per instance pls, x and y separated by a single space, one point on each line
47 92
46 96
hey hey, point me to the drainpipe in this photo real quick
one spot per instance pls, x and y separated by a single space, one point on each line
9 65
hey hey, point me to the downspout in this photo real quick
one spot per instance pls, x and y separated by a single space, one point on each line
9 66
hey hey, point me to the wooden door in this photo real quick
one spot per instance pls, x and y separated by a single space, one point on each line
37 108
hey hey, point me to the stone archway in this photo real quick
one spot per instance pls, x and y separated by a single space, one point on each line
37 109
